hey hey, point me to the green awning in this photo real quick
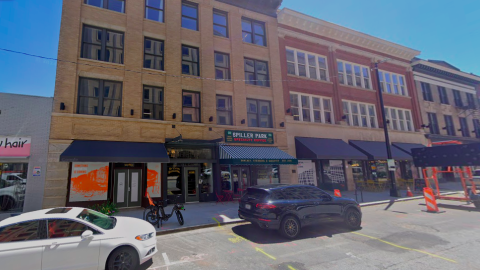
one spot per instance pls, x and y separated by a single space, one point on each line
250 155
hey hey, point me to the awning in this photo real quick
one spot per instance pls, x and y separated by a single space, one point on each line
407 147
254 155
378 150
107 151
316 148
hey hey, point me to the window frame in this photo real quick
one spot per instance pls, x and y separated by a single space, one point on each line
191 4
457 98
442 93
198 62
308 66
253 33
255 72
105 4
476 127
199 106
311 109
103 45
407 124
162 10
426 91
433 123
154 103
230 112
350 113
154 55
471 101
258 114
40 235
228 69
223 13
400 86
101 98
344 75
450 126
47 233
464 126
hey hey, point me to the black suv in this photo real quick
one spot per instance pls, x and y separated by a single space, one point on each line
288 208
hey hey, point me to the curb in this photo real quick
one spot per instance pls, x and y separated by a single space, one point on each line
402 200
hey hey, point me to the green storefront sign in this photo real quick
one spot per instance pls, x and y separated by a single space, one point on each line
238 136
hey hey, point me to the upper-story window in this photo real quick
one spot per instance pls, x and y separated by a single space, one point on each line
426 91
471 101
476 127
306 64
99 97
115 5
399 119
449 126
442 93
457 96
259 113
359 114
154 10
224 110
190 15
354 75
220 23
191 107
464 127
254 32
310 108
393 83
433 123
222 66
256 72
153 54
152 103
102 44
190 61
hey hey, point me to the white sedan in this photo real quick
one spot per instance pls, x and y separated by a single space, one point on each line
74 238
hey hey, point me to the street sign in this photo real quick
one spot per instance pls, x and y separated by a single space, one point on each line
238 136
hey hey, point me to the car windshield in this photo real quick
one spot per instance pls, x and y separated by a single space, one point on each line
103 221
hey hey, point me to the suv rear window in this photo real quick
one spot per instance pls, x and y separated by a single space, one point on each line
257 194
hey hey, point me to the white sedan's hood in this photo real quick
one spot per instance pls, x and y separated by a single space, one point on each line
132 227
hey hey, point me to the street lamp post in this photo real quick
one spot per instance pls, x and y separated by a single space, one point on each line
393 186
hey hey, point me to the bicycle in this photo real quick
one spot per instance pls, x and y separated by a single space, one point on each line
157 215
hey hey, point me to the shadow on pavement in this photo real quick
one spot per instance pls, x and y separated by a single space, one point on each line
263 236
146 265
469 208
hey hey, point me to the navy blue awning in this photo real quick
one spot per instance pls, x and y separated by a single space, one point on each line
378 150
254 155
108 151
317 148
407 147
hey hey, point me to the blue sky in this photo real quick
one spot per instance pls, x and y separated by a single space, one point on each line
440 29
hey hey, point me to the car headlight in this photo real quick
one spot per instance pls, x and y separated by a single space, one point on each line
144 237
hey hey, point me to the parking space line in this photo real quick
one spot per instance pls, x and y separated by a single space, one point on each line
165 258
406 248
218 222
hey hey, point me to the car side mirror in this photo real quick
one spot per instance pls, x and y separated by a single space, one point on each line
87 234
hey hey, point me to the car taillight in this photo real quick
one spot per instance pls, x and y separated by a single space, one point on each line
265 206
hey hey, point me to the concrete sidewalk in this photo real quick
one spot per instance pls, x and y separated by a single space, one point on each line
200 215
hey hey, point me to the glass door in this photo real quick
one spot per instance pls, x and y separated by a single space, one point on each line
128 187
241 179
191 184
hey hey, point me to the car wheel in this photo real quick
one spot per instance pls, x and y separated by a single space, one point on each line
353 219
290 227
477 204
180 218
124 258
6 203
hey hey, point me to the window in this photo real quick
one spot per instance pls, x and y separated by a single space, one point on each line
102 44
24 231
153 51
471 101
359 114
60 228
259 113
190 61
220 23
392 83
306 64
313 108
426 91
224 110
476 127
256 72
458 98
99 97
222 66
442 92
191 107
115 5
103 221
152 103
433 123
253 32
190 15
464 127
154 10
449 125
353 75
399 119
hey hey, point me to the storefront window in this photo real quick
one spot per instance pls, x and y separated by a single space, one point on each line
174 180
13 179
357 171
378 170
332 174
265 175
225 178
188 153
206 178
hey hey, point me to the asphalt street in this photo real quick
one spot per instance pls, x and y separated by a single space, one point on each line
396 236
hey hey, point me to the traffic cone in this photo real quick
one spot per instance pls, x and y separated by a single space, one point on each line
337 193
409 192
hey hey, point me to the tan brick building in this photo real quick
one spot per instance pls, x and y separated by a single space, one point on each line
132 70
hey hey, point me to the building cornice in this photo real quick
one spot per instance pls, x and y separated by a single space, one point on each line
445 69
333 31
421 77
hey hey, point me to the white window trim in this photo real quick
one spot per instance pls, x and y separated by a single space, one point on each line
353 74
307 65
384 81
388 116
350 117
322 110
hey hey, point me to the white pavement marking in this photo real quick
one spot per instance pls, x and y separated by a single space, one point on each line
165 257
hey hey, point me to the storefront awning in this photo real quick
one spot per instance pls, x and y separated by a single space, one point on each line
407 147
317 148
250 155
107 151
378 150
